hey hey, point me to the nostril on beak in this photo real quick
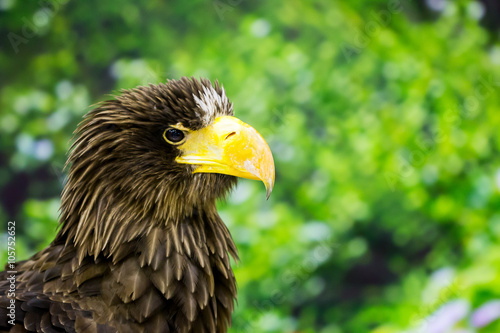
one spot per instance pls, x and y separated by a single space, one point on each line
229 135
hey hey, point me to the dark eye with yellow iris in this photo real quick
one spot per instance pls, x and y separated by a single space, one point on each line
174 136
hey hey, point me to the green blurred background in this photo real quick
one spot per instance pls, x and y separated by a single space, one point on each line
383 117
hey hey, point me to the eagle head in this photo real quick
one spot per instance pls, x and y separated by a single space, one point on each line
160 153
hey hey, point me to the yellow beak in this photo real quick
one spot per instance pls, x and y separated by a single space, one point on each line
231 147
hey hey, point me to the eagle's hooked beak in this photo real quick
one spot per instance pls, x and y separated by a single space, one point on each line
229 146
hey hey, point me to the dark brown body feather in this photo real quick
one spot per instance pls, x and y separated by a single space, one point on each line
141 247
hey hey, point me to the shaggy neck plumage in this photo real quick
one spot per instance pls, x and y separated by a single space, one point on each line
110 217
182 249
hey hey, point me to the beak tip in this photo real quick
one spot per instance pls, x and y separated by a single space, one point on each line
269 189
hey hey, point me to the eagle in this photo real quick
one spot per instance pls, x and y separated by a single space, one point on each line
141 247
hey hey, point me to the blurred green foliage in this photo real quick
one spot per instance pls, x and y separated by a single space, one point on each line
383 119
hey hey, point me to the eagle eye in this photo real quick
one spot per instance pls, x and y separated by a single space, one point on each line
174 136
